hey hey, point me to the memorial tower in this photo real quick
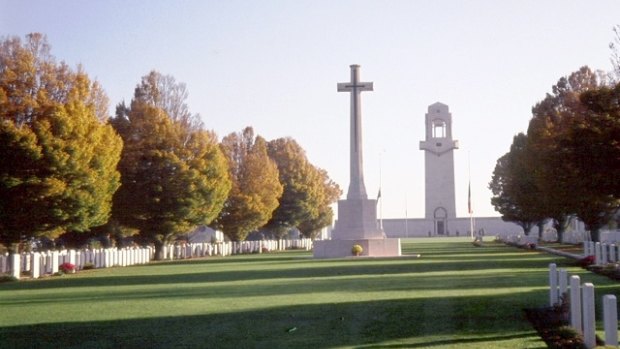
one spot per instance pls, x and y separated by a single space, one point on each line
438 150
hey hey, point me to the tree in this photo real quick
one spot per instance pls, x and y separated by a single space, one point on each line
515 193
329 193
301 199
592 147
174 176
615 52
57 157
163 92
255 185
547 133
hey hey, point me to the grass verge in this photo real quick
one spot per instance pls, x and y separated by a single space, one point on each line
454 296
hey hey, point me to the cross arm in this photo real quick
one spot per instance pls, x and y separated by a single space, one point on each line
350 87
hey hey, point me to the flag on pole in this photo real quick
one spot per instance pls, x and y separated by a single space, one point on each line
379 194
469 199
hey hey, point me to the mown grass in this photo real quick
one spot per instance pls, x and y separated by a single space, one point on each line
454 296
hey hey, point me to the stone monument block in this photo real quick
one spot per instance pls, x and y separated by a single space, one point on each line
357 220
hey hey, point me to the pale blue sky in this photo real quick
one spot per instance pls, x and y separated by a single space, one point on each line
274 65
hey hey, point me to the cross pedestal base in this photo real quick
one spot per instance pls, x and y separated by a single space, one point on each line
342 248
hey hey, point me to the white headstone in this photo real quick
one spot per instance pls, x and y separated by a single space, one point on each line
48 262
55 256
604 249
575 303
612 253
589 320
98 257
79 260
2 263
124 257
25 262
610 319
108 258
598 251
553 284
115 257
72 259
36 265
16 259
563 282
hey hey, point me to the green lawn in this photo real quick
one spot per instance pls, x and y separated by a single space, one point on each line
454 296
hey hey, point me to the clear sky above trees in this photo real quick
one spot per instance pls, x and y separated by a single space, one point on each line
274 65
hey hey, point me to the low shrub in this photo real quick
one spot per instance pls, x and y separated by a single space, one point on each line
88 266
586 261
357 250
7 278
67 268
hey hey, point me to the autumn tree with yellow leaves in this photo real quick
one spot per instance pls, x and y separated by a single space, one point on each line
58 156
255 185
174 175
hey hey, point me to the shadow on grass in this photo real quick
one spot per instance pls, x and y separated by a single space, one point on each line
426 320
271 268
426 285
413 323
460 342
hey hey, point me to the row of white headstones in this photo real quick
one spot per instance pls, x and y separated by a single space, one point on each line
603 252
49 262
582 306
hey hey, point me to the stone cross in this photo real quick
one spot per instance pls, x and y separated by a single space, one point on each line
357 189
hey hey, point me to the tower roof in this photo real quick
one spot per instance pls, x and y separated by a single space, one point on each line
438 106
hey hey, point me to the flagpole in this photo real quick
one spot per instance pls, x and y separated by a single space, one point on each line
406 218
470 211
379 196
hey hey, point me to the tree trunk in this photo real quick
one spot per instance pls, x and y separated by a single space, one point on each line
560 230
560 224
541 226
595 234
13 248
527 227
159 250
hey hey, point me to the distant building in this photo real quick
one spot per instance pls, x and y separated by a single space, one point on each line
205 234
440 209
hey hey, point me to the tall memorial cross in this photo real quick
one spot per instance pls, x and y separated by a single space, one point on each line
357 215
357 189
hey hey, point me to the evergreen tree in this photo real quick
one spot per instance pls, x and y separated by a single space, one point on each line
547 133
592 148
515 193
